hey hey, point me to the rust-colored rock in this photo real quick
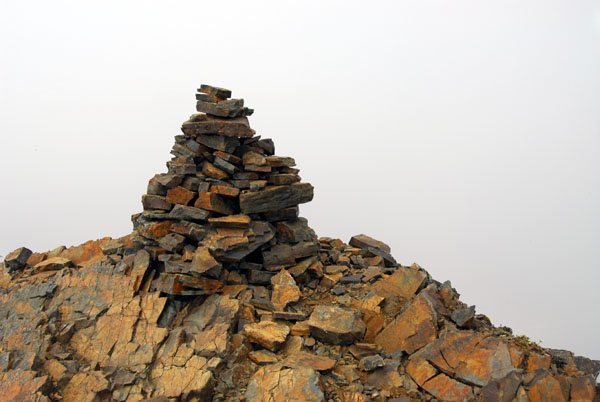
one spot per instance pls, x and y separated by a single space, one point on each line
268 334
276 198
375 247
262 357
214 202
413 329
276 384
404 283
225 190
544 387
303 359
126 336
536 361
285 290
502 390
421 371
202 261
469 356
214 172
54 263
222 292
17 259
191 380
90 252
583 388
179 195
21 385
85 387
231 221
336 325
446 389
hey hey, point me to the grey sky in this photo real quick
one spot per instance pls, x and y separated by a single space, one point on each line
465 134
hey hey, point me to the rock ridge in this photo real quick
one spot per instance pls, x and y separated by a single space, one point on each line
223 292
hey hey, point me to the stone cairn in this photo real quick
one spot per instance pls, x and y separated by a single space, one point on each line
226 208
222 293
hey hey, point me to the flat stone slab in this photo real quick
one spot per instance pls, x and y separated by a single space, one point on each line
308 360
268 334
237 127
373 246
276 198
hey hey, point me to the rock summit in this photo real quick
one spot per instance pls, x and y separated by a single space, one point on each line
223 292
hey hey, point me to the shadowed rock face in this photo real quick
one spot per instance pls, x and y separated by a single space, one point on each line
222 292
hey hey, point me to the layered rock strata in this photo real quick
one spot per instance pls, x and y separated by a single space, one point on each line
223 293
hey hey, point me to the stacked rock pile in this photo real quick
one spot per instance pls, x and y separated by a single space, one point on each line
226 208
222 293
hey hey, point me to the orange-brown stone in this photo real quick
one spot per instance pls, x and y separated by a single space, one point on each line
285 290
225 190
21 385
276 384
53 263
583 389
411 330
304 359
445 388
87 253
211 170
156 230
268 334
536 361
545 388
203 261
404 283
214 202
180 195
420 370
84 387
469 356
231 221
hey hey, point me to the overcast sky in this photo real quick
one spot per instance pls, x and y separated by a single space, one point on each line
464 134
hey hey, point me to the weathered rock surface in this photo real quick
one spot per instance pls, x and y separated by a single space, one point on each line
222 292
275 198
412 329
17 259
335 325
374 247
277 384
268 334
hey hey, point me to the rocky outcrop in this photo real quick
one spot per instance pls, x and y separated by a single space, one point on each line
222 292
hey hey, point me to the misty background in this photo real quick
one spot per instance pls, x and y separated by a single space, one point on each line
464 134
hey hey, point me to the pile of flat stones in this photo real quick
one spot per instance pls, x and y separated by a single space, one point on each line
227 208
223 293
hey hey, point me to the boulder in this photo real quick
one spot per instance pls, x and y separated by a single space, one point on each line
17 259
